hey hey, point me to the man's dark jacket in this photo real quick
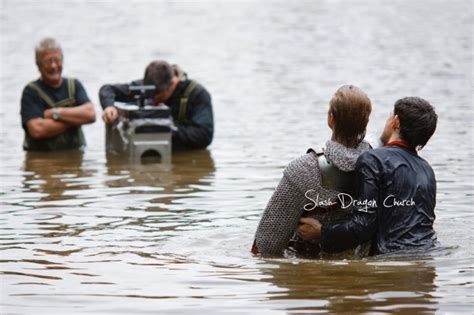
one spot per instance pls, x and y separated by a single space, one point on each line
193 133
394 205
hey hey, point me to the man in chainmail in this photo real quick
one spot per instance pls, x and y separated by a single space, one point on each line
396 190
312 183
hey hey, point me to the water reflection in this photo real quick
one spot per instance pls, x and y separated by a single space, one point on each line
187 168
171 196
52 173
355 285
85 234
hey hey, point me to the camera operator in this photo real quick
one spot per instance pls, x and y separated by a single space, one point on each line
190 103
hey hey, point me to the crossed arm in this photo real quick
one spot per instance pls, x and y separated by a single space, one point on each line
46 126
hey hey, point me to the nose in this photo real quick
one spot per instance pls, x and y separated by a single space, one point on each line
53 65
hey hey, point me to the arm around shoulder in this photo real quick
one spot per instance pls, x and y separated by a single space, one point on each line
363 225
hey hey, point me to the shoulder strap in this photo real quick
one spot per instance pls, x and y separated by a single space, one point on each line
183 103
70 101
334 178
71 87
318 153
42 94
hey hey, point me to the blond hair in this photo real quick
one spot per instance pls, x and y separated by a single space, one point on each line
351 108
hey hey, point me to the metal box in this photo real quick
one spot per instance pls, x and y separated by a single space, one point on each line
141 133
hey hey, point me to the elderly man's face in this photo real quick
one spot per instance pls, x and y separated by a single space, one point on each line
50 66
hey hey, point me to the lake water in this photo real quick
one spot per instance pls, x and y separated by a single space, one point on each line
83 234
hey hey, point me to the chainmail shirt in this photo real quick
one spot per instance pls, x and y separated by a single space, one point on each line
286 206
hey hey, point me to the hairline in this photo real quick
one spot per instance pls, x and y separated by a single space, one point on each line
45 45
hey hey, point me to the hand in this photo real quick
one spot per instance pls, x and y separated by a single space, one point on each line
309 229
48 113
110 115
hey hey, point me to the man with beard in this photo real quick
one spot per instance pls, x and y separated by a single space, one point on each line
399 185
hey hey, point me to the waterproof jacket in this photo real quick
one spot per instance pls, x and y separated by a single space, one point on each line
192 114
394 205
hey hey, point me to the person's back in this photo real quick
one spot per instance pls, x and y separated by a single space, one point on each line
396 193
303 190
408 186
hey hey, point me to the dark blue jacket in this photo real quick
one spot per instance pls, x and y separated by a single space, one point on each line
393 207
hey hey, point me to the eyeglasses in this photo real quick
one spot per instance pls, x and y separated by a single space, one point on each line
50 61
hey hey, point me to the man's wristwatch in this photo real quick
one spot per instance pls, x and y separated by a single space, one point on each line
56 115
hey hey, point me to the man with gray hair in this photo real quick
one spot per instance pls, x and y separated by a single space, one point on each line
53 108
190 103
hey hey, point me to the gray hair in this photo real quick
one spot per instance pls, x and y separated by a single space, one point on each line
47 43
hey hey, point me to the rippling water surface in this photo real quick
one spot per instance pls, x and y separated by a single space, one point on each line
82 234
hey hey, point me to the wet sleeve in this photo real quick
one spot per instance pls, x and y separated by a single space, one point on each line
31 106
279 220
81 94
111 93
198 131
363 224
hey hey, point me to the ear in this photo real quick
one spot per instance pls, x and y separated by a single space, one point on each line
395 122
331 120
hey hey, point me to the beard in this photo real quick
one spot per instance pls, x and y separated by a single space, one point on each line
385 136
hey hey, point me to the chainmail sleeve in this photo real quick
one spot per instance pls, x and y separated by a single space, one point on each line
279 220
284 209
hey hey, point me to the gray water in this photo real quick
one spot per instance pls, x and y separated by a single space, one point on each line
83 234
